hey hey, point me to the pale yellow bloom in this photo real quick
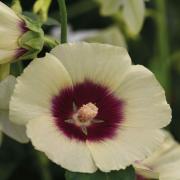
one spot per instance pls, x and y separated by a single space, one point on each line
87 107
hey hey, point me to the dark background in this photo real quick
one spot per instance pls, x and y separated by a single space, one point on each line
22 162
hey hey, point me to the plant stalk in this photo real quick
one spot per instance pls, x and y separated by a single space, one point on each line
163 49
63 20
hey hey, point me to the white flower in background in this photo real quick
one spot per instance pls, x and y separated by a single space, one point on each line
111 35
74 36
16 35
110 7
87 107
14 131
164 163
132 12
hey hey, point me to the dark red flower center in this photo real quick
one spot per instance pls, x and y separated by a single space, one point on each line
139 177
87 111
20 52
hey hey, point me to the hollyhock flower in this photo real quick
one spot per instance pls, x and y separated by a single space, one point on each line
163 164
12 130
19 36
87 107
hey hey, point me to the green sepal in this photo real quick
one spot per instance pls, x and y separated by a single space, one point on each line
32 24
32 40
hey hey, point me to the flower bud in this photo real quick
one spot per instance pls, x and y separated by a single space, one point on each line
21 38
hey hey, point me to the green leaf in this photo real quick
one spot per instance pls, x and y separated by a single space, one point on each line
127 174
51 22
11 155
32 16
16 68
175 59
6 170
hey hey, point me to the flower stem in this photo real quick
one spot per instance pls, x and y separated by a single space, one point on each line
63 19
43 164
163 50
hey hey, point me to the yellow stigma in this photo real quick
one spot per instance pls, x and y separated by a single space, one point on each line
87 112
85 116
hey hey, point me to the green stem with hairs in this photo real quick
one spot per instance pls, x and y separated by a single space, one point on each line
162 69
63 20
43 164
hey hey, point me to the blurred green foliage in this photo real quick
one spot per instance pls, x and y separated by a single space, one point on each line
127 174
157 47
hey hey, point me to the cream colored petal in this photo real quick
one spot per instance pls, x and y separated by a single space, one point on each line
8 16
35 88
10 28
6 90
164 162
130 145
12 130
9 38
146 172
145 101
171 169
6 56
69 153
101 63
